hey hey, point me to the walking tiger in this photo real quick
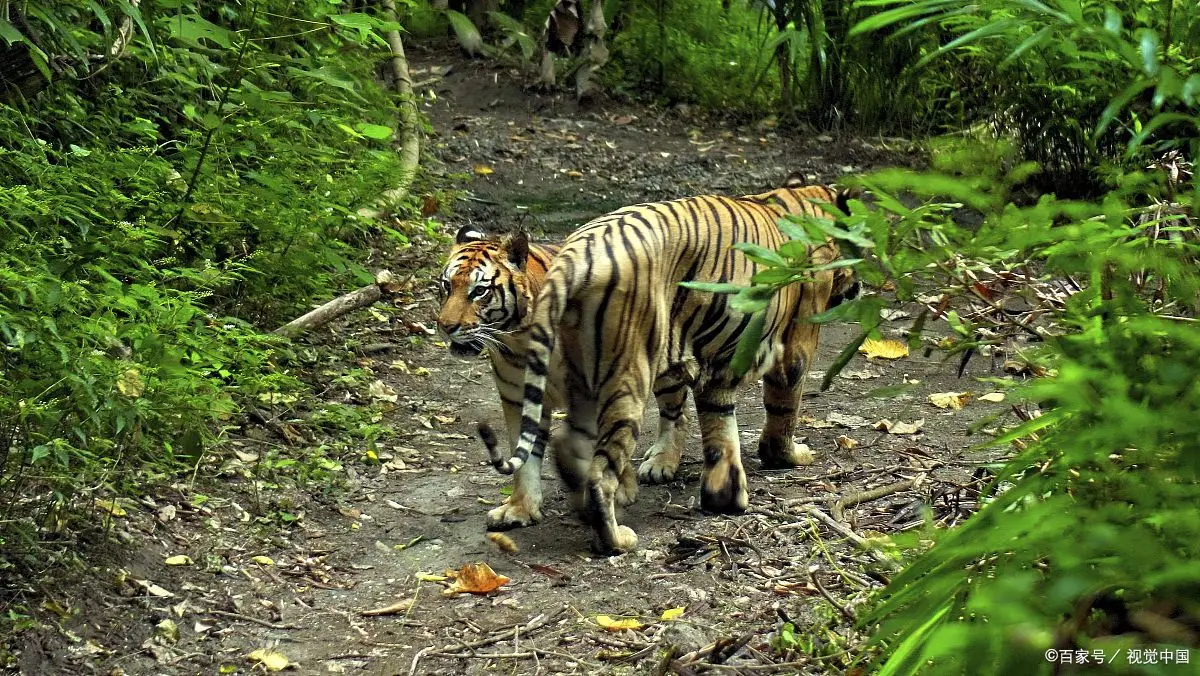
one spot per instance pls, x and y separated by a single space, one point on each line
613 325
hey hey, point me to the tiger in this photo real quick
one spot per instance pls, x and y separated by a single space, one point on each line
486 289
612 320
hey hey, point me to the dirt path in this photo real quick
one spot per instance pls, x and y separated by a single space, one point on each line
335 552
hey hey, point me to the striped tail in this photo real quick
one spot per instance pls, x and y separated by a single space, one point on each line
548 310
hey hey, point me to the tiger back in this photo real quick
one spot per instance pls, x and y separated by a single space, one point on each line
611 309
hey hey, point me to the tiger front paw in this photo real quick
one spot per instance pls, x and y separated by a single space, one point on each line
658 468
516 512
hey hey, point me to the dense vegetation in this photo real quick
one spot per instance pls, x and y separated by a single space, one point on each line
174 178
178 177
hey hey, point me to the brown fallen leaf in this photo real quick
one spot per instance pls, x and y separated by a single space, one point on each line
504 542
846 442
951 400
396 608
429 205
887 348
474 578
548 571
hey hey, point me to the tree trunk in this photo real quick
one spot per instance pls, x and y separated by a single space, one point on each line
409 133
595 52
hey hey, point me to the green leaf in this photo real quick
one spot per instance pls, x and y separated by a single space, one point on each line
842 359
748 344
134 13
466 32
1149 51
712 287
375 131
753 299
193 29
761 254
10 33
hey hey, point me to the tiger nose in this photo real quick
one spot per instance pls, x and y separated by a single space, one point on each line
450 329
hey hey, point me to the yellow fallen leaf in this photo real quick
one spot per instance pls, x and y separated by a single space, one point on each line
898 427
475 578
273 660
671 613
575 174
993 397
483 170
887 348
263 560
430 577
846 442
110 507
504 542
617 624
179 560
950 400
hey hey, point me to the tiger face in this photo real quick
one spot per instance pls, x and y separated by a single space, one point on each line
484 289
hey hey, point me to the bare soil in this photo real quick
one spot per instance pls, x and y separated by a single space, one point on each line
358 540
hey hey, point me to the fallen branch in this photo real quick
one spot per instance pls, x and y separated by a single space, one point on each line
812 576
840 506
247 618
385 285
850 535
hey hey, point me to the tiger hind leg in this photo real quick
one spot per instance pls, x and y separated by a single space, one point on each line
723 486
783 390
611 480
662 459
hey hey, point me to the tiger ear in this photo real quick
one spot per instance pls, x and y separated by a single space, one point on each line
516 246
796 179
468 233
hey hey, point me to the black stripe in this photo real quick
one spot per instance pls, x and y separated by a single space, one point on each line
533 394
779 410
712 408
670 389
671 415
536 365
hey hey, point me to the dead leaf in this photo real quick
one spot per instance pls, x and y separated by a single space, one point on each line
246 457
951 400
428 577
892 315
273 660
263 560
624 119
446 419
178 560
153 589
166 513
671 613
168 630
864 374
483 170
380 391
429 205
396 608
846 442
475 578
617 624
993 397
845 420
888 348
548 571
575 174
504 542
898 427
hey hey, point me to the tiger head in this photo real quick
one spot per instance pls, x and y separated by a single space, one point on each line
484 288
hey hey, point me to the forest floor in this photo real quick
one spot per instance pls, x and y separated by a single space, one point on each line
395 515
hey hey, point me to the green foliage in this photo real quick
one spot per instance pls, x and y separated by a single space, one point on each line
157 194
693 51
1101 81
1088 537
